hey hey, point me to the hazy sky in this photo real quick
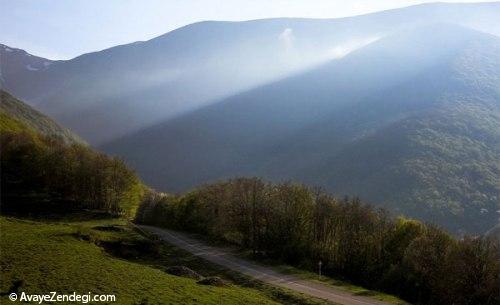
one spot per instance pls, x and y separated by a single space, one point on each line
62 29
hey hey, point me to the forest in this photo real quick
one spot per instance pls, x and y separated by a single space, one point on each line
300 225
44 174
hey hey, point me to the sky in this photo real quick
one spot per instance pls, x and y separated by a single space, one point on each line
63 29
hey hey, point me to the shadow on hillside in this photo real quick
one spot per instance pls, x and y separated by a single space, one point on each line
51 215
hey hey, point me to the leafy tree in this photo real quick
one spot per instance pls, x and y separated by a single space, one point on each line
301 225
45 173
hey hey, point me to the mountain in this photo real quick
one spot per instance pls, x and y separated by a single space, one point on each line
108 94
410 122
17 115
18 67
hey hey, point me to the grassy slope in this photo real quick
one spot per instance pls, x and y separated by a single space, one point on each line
13 109
51 257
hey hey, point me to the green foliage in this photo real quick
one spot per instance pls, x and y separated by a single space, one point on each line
46 174
299 225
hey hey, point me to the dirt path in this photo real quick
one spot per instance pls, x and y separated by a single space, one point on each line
224 258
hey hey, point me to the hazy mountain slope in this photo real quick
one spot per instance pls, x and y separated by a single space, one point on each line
438 160
18 68
17 115
109 93
316 127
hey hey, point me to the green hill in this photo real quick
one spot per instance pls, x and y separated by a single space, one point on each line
16 116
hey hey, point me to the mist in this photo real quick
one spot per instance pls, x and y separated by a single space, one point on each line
203 63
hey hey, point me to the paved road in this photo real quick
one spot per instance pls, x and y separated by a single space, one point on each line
224 258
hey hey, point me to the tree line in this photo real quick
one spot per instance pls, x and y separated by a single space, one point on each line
41 173
300 225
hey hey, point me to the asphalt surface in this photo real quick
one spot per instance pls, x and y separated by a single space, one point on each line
225 258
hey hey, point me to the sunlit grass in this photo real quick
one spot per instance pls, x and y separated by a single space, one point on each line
61 257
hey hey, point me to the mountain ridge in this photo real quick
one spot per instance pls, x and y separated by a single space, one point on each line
264 131
201 63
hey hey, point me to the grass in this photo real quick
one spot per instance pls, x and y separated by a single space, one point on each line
355 290
173 256
80 256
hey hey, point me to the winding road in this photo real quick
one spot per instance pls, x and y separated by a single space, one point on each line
225 258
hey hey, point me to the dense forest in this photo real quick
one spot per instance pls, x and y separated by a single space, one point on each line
48 172
301 226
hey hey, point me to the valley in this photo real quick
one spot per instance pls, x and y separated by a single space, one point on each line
271 160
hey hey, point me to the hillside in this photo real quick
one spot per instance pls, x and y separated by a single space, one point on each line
17 115
133 86
46 169
320 127
59 256
443 167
